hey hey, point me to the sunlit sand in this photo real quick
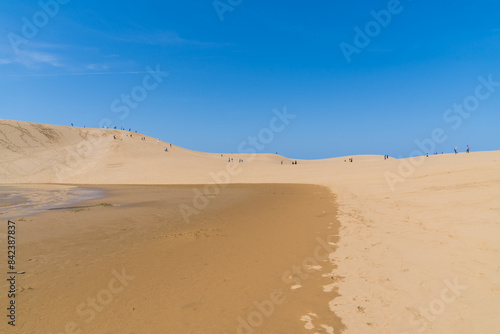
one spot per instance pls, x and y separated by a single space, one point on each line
419 254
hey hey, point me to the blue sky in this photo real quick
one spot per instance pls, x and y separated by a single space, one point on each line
225 77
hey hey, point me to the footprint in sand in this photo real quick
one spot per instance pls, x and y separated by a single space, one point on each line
308 320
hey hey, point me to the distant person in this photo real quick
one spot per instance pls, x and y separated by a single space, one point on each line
427 155
114 137
166 149
468 149
71 124
295 161
282 162
456 150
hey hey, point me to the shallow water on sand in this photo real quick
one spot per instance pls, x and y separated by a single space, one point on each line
24 200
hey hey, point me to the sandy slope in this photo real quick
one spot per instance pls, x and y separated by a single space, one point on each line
401 247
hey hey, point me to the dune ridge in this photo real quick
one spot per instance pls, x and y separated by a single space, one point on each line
436 230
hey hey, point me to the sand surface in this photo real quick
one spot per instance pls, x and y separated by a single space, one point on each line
23 200
418 255
205 276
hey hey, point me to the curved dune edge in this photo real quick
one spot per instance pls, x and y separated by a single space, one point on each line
422 256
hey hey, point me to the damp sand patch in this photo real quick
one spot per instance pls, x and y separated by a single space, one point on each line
26 200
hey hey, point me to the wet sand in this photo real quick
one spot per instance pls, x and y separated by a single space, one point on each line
408 226
137 266
24 200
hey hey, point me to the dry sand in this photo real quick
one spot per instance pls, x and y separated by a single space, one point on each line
419 257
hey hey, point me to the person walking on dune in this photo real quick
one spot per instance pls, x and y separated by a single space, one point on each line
468 149
456 150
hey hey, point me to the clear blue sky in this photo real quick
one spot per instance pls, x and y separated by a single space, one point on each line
225 77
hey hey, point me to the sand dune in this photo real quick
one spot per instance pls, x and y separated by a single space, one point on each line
419 240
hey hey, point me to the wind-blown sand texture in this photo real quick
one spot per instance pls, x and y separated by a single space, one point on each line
422 257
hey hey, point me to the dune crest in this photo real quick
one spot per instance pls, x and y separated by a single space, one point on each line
421 255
